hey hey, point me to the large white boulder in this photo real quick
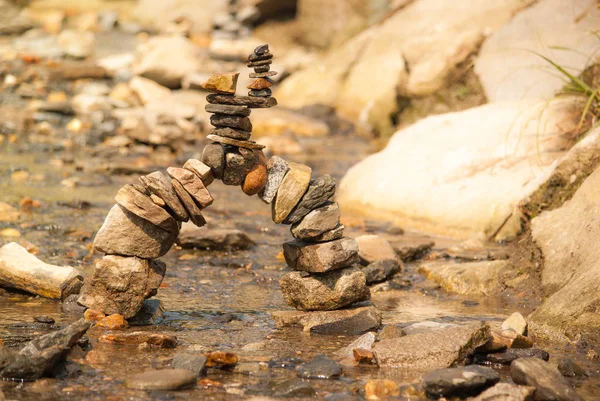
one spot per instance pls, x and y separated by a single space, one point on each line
562 30
159 13
463 174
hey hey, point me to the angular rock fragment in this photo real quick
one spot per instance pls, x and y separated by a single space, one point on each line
124 233
320 257
227 132
276 170
236 167
517 323
160 186
548 382
464 381
195 363
203 171
363 342
261 83
261 50
326 291
256 178
372 248
381 270
22 270
434 349
319 191
222 83
143 207
249 101
290 191
150 313
228 109
120 284
214 157
213 239
189 203
234 142
193 185
317 222
507 392
164 379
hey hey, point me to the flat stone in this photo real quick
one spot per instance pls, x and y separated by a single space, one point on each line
350 321
293 388
507 392
320 257
262 68
163 379
434 349
231 133
260 93
150 313
228 109
259 63
256 178
290 191
257 57
234 142
276 170
222 83
195 363
158 340
225 120
261 83
425 326
203 171
249 101
124 233
372 248
142 206
517 323
236 168
464 381
189 203
319 191
508 356
381 270
331 235
548 382
192 184
327 291
161 186
213 156
217 239
321 367
262 74
473 278
318 222
119 284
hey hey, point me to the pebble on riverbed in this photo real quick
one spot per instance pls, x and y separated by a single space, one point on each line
164 379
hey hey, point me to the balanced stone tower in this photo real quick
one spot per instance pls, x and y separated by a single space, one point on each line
146 220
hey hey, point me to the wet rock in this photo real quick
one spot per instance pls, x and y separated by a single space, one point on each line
195 363
190 205
203 171
261 83
39 357
276 171
363 342
381 388
151 312
517 323
363 356
148 90
507 392
222 83
218 239
464 381
321 367
167 59
158 340
164 379
319 191
293 388
236 167
44 319
221 359
508 356
22 270
120 284
372 248
548 382
475 278
249 101
284 363
192 184
70 305
124 233
77 44
317 222
352 321
256 178
569 368
292 188
327 291
391 331
142 206
381 270
243 111
320 257
434 349
113 322
160 186
92 315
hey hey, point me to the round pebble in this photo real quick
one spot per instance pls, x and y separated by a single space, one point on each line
165 379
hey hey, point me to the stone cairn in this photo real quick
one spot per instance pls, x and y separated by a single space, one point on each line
146 220
237 22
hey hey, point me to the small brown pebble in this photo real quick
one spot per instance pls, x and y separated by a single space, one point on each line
261 83
377 389
113 322
157 200
592 355
363 356
93 316
221 359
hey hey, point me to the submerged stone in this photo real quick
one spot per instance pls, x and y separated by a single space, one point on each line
164 379
321 367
